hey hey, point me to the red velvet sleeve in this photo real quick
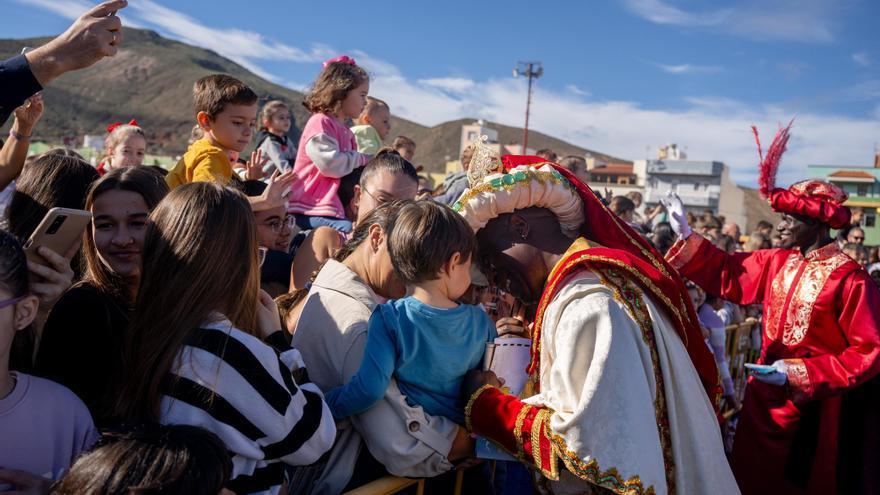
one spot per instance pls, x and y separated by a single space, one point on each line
738 277
827 375
523 430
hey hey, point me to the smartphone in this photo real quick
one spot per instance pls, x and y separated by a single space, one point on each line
760 369
59 230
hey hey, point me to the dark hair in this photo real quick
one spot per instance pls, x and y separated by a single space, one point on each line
423 238
254 188
333 85
764 224
546 154
196 228
13 265
389 160
212 94
573 162
621 204
403 142
57 178
663 237
146 182
153 459
346 186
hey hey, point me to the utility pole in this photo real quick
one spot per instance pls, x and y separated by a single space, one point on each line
531 70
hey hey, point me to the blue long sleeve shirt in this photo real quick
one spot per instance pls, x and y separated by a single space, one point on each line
428 350
17 83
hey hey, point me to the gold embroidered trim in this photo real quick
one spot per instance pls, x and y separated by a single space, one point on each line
470 405
542 415
685 250
517 431
798 380
811 282
512 180
591 472
631 296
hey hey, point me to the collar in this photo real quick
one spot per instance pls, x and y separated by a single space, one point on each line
824 252
579 244
337 277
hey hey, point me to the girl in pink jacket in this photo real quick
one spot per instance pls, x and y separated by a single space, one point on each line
327 149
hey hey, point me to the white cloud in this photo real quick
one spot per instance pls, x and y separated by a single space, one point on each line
449 84
809 21
862 59
689 69
575 90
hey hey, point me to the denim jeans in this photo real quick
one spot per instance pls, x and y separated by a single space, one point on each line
306 222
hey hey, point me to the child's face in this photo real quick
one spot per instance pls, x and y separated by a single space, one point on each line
279 124
407 152
459 275
232 128
130 152
274 231
353 104
380 119
118 229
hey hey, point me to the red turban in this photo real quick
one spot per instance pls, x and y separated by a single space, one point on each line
815 199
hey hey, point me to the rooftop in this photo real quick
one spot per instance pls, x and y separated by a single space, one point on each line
852 174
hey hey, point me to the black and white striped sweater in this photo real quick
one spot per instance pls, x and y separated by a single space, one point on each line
241 389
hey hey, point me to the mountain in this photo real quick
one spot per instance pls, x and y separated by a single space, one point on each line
150 79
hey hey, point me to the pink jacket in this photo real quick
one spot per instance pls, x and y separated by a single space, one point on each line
327 151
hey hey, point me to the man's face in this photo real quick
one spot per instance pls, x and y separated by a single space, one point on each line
382 188
509 262
795 232
856 236
233 127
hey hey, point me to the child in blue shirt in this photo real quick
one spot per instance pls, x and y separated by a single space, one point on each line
426 340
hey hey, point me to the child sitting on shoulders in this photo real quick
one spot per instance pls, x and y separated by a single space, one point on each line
275 121
374 124
405 146
426 340
226 111
328 149
125 146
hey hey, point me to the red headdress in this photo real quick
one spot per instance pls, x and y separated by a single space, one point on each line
112 127
813 198
621 248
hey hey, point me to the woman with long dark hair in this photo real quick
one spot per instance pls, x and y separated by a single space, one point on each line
205 345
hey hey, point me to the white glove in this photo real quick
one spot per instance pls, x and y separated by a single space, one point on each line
677 218
778 377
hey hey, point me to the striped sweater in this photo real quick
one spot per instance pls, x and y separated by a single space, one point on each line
241 389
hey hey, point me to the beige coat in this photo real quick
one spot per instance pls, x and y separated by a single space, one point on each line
331 335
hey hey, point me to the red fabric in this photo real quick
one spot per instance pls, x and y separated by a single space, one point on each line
839 353
493 415
620 242
835 215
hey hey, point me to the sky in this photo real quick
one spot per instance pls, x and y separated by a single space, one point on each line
621 77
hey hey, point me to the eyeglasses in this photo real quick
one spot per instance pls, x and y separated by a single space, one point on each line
10 302
276 225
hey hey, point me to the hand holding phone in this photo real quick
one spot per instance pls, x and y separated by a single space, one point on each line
59 231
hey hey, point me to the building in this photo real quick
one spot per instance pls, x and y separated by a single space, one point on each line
471 132
862 183
701 185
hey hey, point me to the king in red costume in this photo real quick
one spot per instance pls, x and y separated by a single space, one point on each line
624 379
813 424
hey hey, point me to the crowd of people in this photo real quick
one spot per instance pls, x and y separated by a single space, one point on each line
315 316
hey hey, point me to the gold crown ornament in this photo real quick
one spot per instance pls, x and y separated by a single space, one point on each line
484 161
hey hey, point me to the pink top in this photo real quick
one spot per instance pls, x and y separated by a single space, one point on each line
327 152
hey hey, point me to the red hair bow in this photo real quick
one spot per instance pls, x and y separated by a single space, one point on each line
341 58
112 127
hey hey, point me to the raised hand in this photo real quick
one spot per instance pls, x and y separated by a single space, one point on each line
254 167
677 217
276 192
27 115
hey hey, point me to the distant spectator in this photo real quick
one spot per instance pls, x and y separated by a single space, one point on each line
775 240
275 122
456 183
125 146
547 154
153 459
732 229
756 241
765 228
726 243
874 272
875 254
857 252
623 207
856 235
405 146
576 165
636 198
663 237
